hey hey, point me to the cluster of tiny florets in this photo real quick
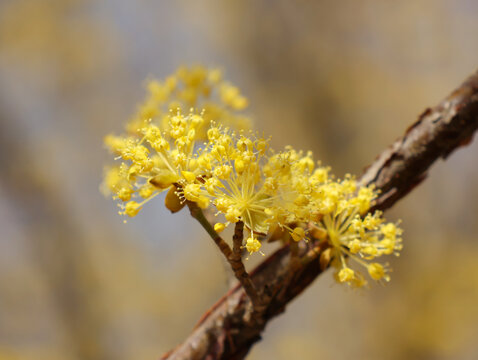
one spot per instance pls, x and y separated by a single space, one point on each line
206 157
353 232
194 87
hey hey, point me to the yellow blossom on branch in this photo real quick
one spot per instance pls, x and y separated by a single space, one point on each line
183 140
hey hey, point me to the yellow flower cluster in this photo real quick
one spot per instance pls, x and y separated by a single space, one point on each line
352 232
194 87
156 161
234 171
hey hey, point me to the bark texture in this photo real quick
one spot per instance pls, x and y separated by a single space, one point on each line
226 331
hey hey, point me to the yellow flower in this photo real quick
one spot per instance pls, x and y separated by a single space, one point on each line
131 208
253 245
298 234
346 274
219 227
377 272
351 234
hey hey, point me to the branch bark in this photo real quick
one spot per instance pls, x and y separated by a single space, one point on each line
224 333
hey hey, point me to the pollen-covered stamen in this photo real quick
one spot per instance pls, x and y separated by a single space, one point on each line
131 208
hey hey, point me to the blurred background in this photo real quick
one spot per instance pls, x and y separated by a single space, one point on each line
343 78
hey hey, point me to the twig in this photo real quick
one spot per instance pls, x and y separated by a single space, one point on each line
438 132
197 213
233 257
240 271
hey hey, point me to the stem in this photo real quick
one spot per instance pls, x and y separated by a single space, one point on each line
294 256
239 269
197 213
233 256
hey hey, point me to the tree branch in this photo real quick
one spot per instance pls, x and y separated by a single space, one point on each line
223 332
436 133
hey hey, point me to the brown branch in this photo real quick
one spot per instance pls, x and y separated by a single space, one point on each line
222 333
436 133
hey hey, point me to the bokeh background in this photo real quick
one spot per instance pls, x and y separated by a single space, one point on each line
343 78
